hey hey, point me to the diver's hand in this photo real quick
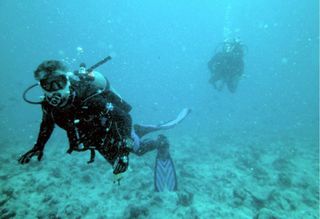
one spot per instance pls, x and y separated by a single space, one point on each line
69 151
121 164
27 156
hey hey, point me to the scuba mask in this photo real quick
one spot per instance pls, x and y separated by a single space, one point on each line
54 83
82 69
229 47
56 89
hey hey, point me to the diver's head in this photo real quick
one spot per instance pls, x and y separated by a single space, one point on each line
227 46
238 48
233 46
54 82
82 68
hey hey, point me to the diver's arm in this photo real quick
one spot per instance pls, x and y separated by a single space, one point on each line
46 129
214 60
122 121
241 68
211 64
73 140
123 125
118 125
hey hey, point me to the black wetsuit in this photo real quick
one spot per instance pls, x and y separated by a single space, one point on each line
98 121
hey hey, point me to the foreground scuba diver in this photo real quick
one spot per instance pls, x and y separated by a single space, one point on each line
227 65
96 119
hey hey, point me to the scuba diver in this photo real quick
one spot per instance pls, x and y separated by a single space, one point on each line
96 119
227 65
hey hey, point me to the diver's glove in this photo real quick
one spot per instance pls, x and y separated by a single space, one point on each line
35 151
122 162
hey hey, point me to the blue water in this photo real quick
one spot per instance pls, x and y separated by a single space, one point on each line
160 51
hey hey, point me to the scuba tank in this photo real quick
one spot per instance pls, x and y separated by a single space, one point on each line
96 84
93 80
96 79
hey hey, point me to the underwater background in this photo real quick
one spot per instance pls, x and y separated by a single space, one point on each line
251 154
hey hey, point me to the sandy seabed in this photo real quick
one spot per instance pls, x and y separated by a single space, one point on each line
219 177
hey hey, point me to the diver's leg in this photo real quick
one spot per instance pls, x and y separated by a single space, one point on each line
214 79
163 147
150 145
146 146
217 81
233 84
219 85
141 130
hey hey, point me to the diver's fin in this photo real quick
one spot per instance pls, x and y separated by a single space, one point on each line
164 174
142 130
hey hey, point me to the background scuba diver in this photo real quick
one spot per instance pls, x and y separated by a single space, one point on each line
95 118
227 65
